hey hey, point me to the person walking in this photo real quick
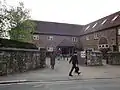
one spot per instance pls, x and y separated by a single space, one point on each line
74 61
52 59
59 54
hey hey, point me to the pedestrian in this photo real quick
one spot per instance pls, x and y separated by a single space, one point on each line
59 54
74 61
52 59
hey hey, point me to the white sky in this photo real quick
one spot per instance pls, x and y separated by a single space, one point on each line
69 11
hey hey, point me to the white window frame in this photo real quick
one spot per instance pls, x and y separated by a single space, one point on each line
95 36
119 48
35 37
50 37
50 49
74 39
119 31
87 38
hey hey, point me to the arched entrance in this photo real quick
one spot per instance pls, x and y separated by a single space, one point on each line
103 46
103 43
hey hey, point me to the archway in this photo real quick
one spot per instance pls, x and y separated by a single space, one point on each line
104 47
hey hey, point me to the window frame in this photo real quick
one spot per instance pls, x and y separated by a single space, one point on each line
35 37
96 36
74 39
50 38
118 32
50 49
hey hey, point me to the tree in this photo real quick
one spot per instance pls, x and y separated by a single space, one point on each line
17 20
4 20
21 25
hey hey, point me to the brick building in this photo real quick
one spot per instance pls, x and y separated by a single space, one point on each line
102 33
52 36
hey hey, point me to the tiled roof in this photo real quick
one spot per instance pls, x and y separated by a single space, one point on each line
103 23
57 28
66 43
72 29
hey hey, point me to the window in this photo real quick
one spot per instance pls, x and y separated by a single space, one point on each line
115 18
102 45
50 37
119 31
74 39
94 25
50 49
35 37
104 22
119 48
95 36
87 27
106 45
87 38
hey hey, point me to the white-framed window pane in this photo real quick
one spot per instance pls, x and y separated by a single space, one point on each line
118 31
35 37
50 49
95 36
119 48
74 39
50 37
87 38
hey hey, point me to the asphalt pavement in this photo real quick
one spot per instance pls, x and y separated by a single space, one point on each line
109 84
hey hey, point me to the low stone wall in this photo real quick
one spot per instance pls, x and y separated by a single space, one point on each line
20 60
114 58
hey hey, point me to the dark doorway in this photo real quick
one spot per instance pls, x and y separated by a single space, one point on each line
114 48
67 50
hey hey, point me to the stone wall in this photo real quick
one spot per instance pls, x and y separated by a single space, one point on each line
20 60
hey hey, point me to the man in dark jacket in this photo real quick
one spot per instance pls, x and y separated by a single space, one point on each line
52 61
74 61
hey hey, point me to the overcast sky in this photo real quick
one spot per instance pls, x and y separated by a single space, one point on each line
69 11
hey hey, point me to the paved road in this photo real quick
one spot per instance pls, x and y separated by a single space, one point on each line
111 84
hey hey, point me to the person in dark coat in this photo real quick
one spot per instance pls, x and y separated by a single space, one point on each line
74 61
52 60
